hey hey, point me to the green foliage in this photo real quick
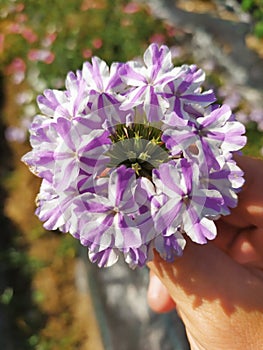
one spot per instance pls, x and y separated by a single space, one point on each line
72 31
255 8
255 140
247 4
259 29
68 247
7 295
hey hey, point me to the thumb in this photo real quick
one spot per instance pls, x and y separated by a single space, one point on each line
158 296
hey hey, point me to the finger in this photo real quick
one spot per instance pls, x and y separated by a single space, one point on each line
196 276
207 285
158 297
247 247
250 204
226 233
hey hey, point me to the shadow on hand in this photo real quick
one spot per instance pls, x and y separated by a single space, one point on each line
206 274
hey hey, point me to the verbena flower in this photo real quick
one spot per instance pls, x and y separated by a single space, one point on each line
134 158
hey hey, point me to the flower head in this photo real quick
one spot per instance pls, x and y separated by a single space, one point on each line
135 157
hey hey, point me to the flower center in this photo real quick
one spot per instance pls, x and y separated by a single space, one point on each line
139 147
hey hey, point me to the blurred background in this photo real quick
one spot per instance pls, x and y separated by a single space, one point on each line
50 296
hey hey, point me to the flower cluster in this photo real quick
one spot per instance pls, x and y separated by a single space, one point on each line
135 157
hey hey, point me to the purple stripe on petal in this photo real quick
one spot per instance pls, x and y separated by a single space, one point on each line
169 214
195 232
205 97
94 203
115 79
213 204
136 256
217 117
131 237
170 247
105 258
49 102
191 215
177 107
134 98
187 174
210 157
65 128
133 78
208 228
169 176
97 139
119 183
98 65
183 87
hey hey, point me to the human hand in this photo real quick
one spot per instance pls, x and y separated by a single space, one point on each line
217 288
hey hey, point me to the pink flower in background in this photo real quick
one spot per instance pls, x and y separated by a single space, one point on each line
19 7
158 38
97 43
131 8
18 64
14 28
91 4
29 35
17 69
21 18
18 28
87 53
41 55
170 30
49 39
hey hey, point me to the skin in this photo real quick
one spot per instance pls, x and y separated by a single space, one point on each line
217 288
